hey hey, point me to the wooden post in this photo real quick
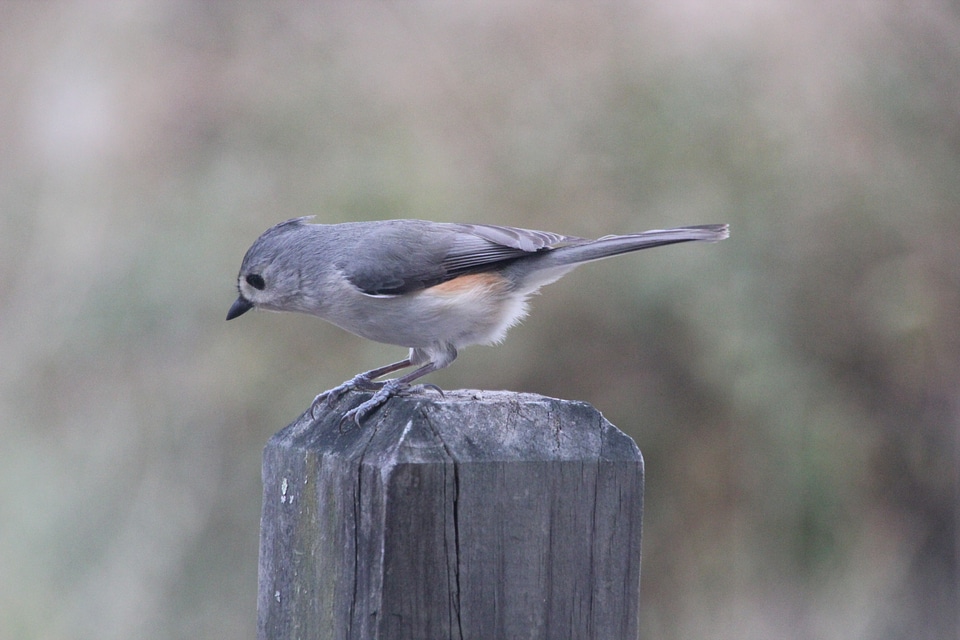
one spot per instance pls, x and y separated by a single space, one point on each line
473 515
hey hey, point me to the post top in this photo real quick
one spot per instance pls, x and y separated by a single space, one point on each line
462 426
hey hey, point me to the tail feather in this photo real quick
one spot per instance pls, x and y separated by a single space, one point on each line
544 267
608 246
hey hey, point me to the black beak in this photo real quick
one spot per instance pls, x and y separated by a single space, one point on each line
240 307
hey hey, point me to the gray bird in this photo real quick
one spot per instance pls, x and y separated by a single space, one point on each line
433 287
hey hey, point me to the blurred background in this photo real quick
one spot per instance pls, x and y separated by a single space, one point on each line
795 389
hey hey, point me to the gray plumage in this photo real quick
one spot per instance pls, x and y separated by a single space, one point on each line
433 287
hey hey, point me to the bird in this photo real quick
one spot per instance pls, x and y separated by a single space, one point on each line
432 287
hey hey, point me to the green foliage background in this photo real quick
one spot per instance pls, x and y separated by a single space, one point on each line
795 389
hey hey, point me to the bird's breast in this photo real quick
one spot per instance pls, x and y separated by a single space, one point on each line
471 309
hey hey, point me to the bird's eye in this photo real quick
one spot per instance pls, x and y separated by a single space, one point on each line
256 281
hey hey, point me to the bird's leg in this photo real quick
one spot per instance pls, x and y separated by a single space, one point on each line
387 390
365 381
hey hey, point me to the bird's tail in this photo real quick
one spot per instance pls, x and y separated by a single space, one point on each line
547 266
615 245
608 246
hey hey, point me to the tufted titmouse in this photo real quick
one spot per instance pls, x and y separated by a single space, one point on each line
433 287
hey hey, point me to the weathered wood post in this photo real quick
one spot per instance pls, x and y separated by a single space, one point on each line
475 515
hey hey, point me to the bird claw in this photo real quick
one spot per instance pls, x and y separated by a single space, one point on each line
383 391
386 391
358 413
431 387
361 382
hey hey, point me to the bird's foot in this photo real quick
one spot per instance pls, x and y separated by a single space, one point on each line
388 389
360 382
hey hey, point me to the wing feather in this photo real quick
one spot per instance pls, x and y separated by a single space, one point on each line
404 256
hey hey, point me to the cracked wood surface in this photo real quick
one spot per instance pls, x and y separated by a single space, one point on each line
473 515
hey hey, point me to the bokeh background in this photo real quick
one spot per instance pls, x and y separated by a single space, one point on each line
795 389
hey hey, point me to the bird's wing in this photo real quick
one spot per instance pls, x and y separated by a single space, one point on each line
409 255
